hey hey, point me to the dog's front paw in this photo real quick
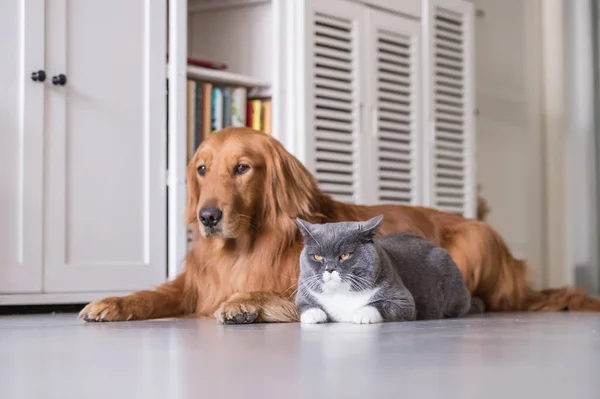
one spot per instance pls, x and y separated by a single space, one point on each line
237 313
367 315
313 316
108 309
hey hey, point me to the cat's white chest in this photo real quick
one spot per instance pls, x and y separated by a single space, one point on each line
342 303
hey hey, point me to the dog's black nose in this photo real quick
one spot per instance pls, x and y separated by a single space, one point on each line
211 216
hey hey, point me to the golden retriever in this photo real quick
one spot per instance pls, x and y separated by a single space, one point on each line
244 193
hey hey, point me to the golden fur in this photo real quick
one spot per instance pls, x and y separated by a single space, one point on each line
247 269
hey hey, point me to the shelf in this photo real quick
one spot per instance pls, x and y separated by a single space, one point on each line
207 5
224 77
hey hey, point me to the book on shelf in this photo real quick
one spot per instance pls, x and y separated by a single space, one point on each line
212 107
227 106
267 117
217 109
219 66
191 117
255 122
206 110
207 64
238 106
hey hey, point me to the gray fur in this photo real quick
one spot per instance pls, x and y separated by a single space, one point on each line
415 279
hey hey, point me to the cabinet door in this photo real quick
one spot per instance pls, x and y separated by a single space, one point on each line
21 146
450 106
394 100
330 89
105 210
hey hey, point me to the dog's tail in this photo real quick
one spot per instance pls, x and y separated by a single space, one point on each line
493 274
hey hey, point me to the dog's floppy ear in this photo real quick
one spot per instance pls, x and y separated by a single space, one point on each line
193 193
290 188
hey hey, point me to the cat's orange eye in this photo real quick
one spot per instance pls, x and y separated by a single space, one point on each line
345 256
318 258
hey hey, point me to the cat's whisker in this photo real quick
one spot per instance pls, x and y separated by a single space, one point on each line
359 282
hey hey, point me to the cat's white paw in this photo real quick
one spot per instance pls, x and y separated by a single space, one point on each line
367 315
313 316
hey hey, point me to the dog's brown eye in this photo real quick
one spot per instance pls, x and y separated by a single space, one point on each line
240 169
202 170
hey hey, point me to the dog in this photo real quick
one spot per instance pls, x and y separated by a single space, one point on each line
244 194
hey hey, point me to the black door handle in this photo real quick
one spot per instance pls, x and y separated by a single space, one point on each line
38 76
60 80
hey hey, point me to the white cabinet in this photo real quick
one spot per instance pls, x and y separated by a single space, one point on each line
21 146
362 70
83 160
387 100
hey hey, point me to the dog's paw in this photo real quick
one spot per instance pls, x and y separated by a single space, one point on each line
237 313
109 309
313 316
367 315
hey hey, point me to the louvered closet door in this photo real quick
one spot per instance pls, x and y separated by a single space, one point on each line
394 84
451 106
331 94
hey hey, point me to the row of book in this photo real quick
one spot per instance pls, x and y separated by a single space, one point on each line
211 108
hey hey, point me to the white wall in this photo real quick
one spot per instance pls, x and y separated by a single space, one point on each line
509 131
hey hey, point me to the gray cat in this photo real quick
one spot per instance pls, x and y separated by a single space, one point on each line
349 275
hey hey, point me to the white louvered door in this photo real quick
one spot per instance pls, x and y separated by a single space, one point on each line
332 95
449 106
394 86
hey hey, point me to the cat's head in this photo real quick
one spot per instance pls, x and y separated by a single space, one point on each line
339 255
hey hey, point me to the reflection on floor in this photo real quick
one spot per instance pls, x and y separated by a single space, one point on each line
493 356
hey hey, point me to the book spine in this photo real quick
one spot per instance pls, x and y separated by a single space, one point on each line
217 109
206 110
267 122
249 111
198 117
191 98
226 107
238 107
256 114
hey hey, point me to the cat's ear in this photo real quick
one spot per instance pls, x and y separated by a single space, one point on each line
369 229
304 227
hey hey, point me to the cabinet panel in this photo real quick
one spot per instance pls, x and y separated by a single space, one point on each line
394 98
21 146
450 106
106 160
332 77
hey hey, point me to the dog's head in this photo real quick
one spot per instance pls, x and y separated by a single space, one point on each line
241 179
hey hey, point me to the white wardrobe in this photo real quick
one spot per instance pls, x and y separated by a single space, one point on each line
374 96
387 100
82 149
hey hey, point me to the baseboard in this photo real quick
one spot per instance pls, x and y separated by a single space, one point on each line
55 299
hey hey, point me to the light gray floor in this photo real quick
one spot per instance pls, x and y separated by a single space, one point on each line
495 356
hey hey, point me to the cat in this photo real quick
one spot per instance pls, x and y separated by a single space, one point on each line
349 275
